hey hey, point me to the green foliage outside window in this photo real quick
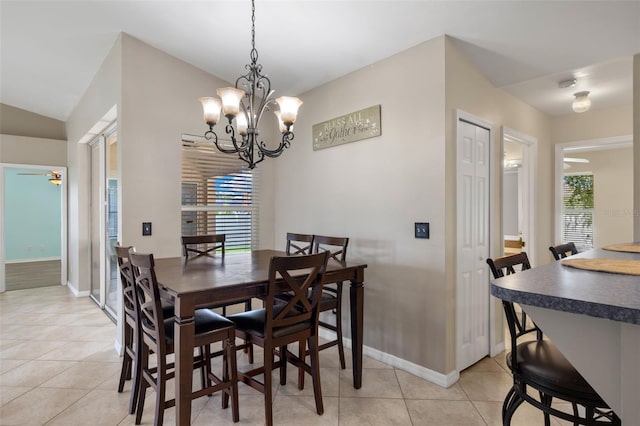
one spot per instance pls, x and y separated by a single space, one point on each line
581 194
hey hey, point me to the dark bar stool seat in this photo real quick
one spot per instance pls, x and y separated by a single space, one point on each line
537 366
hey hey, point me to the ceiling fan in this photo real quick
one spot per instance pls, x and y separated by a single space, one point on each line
55 177
568 160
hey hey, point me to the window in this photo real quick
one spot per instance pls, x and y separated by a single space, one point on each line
218 195
577 215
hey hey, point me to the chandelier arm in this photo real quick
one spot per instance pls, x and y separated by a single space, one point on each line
211 135
287 137
231 132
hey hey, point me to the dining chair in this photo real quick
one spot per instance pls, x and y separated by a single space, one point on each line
130 333
130 326
206 245
203 245
298 243
279 324
561 251
331 300
157 337
538 365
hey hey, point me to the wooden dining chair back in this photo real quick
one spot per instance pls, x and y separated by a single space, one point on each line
335 246
332 292
562 251
281 323
130 361
540 372
203 245
157 337
299 244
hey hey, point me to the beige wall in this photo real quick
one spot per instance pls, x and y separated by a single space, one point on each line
613 193
470 91
159 103
28 150
156 96
593 124
102 95
374 190
19 122
614 190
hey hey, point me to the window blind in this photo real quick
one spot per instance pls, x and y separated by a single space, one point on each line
218 195
577 217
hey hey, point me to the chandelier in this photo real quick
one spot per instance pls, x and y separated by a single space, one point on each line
245 103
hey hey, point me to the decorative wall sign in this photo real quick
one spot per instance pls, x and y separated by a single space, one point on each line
351 127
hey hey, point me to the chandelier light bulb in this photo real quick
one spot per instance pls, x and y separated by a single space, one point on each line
281 126
581 103
231 98
211 109
288 109
241 124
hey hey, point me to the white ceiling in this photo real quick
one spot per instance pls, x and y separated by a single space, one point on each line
50 50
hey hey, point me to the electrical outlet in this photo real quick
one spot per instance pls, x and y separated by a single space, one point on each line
422 230
146 228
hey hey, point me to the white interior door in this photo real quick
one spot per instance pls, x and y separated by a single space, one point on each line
472 283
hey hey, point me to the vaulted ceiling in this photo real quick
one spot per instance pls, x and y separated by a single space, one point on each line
51 50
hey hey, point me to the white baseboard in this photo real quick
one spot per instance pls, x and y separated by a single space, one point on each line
118 347
76 292
444 380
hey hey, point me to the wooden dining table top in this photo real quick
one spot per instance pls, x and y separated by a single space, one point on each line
224 274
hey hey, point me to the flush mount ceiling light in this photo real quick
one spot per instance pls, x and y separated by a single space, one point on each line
245 103
581 103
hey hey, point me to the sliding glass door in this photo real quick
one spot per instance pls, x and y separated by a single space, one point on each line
104 219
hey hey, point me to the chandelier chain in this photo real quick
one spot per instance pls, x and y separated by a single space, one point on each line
254 51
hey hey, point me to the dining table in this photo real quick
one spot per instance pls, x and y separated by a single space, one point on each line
214 280
592 316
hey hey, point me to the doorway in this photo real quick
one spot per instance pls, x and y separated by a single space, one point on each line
472 240
33 217
605 215
104 208
519 153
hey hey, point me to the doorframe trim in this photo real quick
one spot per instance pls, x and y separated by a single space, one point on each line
462 115
63 218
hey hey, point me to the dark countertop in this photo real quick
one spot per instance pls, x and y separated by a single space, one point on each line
562 288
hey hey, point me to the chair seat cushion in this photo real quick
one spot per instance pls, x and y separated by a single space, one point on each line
542 363
205 320
168 309
254 322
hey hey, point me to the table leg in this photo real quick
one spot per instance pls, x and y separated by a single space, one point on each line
184 338
357 306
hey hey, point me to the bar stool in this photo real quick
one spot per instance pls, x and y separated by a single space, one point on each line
539 366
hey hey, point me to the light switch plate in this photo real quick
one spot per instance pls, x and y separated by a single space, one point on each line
422 230
146 228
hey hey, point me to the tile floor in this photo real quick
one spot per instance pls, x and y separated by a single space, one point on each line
58 367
